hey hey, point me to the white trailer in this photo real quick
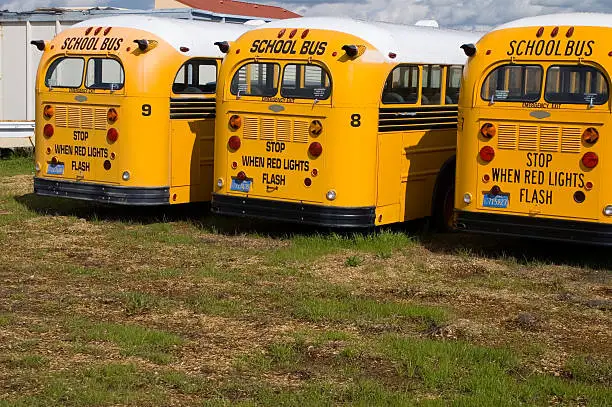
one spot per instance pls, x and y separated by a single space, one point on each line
19 59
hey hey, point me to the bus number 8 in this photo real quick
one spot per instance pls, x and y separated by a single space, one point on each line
356 120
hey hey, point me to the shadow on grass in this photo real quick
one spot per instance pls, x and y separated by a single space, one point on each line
523 251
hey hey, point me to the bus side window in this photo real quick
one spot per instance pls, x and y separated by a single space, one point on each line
197 76
402 85
431 85
453 82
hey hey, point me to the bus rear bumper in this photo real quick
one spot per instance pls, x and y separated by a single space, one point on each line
296 212
136 196
534 228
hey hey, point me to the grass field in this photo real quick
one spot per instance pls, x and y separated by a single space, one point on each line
107 306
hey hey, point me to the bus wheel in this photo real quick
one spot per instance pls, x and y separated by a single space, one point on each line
445 203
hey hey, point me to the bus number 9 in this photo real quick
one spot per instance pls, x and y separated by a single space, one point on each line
355 120
146 110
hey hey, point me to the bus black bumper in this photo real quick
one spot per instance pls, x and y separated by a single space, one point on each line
296 212
535 228
102 193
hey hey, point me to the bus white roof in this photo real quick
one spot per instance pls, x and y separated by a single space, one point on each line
411 44
565 19
198 36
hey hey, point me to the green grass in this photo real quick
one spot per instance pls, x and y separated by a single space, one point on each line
16 166
366 310
6 319
133 340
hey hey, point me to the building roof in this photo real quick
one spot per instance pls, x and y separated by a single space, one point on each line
410 44
565 19
240 8
198 36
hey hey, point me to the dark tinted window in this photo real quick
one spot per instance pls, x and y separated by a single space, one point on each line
402 85
196 76
305 82
513 83
576 84
256 79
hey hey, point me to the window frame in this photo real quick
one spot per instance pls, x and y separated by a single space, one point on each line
208 62
93 58
508 64
565 102
54 65
305 64
419 69
240 94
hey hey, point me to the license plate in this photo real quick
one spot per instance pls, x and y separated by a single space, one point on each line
57 169
495 201
240 186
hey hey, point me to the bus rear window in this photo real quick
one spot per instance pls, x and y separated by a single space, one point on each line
513 83
104 73
575 84
65 73
256 79
305 82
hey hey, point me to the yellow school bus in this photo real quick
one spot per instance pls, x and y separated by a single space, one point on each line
125 110
336 122
534 103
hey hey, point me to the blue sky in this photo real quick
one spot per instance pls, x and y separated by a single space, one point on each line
449 13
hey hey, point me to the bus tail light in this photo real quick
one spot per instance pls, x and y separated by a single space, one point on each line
488 130
112 115
315 149
112 135
241 176
48 130
235 122
234 143
590 135
487 153
590 160
48 111
316 128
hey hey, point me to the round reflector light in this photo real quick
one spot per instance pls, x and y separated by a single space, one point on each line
588 186
48 130
590 135
486 178
48 111
579 196
235 122
307 182
590 160
112 135
488 130
112 115
234 165
487 153
234 143
107 165
315 149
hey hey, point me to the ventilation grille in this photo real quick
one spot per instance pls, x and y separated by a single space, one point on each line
81 117
192 108
539 138
417 118
269 128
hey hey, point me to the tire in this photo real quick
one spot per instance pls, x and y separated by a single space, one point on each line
444 205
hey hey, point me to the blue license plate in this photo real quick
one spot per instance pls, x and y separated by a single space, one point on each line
240 186
495 201
57 169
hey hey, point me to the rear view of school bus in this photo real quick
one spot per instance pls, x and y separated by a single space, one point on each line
535 111
125 110
333 122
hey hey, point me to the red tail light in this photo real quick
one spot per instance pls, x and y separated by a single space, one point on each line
234 143
487 153
112 135
241 176
315 149
48 130
590 160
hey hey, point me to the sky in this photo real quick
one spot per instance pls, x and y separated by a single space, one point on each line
449 13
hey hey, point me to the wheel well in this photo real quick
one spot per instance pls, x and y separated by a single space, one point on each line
447 172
